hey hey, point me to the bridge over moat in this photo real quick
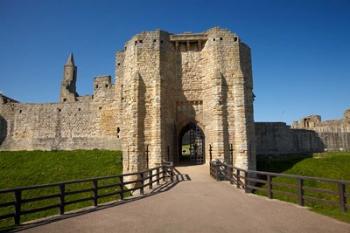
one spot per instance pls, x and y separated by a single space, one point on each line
198 203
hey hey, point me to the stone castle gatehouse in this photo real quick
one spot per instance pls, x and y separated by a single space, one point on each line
169 88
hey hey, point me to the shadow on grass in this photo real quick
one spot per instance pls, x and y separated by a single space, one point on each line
279 163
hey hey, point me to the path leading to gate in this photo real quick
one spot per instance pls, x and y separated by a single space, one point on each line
200 204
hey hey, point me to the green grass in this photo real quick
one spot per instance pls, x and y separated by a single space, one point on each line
334 165
186 150
24 168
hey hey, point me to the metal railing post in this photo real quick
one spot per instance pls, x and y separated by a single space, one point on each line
269 186
157 175
172 174
62 194
300 191
231 175
18 202
342 198
238 178
142 183
121 187
210 152
164 172
227 175
217 168
246 189
94 187
150 179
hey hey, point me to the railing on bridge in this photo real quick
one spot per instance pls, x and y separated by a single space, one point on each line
331 192
139 180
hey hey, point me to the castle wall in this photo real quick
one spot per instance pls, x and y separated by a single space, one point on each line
60 126
335 134
335 141
276 138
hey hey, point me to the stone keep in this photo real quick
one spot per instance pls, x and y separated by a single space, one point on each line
164 82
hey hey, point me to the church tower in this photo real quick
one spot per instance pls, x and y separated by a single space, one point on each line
68 87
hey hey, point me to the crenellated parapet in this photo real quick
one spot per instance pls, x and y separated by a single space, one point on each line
103 88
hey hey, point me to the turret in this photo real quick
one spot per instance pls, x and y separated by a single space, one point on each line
68 87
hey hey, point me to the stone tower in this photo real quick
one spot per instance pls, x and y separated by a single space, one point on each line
68 85
169 83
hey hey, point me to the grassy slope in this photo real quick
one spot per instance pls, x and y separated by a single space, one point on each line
335 165
25 168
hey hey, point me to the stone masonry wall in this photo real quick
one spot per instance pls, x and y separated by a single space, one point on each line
167 81
334 134
276 138
84 124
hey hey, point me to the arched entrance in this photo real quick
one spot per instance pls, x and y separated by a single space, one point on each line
191 145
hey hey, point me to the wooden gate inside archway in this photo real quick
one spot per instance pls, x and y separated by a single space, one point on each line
191 145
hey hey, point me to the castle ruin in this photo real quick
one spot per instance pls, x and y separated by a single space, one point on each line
168 88
335 134
166 85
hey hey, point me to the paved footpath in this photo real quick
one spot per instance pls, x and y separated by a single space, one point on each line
199 205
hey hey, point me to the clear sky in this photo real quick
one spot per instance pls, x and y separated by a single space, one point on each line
300 49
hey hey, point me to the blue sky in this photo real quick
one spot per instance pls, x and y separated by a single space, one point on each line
300 49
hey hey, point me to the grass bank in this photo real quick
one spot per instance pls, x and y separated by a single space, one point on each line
24 168
333 165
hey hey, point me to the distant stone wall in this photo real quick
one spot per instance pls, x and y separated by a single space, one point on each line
276 138
335 134
84 124
335 141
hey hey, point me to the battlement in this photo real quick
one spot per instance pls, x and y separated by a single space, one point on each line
103 81
189 37
188 40
103 87
314 122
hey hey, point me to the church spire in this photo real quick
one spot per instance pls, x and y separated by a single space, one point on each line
70 60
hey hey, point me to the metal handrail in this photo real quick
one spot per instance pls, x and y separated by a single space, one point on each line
162 172
220 170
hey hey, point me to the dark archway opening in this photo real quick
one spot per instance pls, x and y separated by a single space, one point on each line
191 145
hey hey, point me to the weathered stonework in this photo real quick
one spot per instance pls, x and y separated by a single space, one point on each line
167 81
68 88
277 138
164 82
335 134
